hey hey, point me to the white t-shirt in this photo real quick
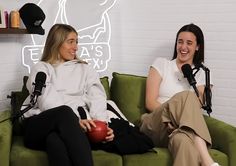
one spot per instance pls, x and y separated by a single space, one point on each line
173 80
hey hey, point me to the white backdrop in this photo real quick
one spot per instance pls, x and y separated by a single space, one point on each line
139 31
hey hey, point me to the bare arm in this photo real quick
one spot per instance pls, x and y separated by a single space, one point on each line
152 89
201 91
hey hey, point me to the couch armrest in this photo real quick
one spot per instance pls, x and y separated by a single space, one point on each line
5 138
223 138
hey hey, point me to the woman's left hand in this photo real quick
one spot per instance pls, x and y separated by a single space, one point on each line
86 124
110 135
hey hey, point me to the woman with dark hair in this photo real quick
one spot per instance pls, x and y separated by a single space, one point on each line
175 118
199 53
55 124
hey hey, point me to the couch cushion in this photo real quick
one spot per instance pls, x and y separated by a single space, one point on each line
219 157
163 158
5 137
128 92
105 83
22 156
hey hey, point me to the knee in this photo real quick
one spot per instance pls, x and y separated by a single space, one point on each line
182 146
180 140
65 112
51 137
186 97
185 94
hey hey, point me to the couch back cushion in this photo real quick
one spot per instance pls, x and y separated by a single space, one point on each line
128 92
105 82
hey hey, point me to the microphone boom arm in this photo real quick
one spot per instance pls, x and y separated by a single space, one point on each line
207 92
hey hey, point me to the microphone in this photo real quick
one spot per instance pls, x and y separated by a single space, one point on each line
38 85
188 73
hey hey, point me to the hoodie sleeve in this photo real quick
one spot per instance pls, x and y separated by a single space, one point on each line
95 96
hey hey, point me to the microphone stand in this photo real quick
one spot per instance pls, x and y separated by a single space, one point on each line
38 85
34 96
21 112
207 90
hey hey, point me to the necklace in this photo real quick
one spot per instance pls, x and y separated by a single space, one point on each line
179 76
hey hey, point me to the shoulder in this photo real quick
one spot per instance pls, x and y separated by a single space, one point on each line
82 64
85 67
76 63
160 63
42 66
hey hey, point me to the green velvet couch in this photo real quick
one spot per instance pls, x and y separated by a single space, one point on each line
128 92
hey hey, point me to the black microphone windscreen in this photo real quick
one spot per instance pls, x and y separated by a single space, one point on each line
40 80
187 70
40 77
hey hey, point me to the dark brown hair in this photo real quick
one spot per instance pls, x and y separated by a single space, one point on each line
199 54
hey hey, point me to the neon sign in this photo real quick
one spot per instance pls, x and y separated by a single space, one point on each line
94 29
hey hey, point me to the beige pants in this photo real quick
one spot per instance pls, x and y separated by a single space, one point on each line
183 110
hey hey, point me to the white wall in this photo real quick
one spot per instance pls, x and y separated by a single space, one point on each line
143 30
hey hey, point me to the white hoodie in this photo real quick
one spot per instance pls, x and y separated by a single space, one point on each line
70 83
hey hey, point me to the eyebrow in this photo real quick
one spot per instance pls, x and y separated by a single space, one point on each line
189 41
70 39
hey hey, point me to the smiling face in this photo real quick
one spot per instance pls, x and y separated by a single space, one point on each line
186 47
69 47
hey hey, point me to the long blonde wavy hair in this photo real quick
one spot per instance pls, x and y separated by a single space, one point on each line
56 36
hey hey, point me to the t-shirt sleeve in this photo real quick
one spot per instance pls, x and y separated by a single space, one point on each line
159 65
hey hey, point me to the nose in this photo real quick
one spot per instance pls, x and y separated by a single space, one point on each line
183 45
75 46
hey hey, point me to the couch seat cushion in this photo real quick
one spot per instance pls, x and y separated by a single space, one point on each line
162 157
219 157
22 156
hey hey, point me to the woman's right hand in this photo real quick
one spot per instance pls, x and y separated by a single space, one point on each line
110 135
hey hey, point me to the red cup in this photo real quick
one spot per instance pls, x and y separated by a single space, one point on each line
98 134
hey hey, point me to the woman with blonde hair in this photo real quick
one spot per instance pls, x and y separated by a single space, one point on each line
55 124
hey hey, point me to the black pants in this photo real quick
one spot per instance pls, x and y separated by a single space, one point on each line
57 131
